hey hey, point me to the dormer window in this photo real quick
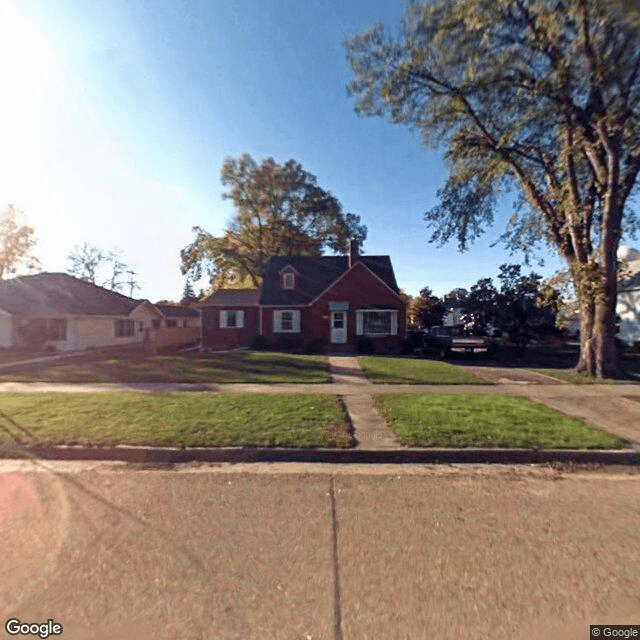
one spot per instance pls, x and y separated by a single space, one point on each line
287 281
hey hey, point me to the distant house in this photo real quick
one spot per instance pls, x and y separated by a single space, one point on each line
312 303
455 312
628 308
59 311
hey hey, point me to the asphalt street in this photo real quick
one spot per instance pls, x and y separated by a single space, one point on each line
312 552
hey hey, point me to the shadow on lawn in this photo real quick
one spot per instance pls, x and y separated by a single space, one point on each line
563 357
238 366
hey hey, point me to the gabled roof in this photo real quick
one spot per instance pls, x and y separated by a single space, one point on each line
233 298
59 294
315 274
176 311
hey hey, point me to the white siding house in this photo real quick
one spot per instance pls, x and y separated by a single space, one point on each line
56 310
628 308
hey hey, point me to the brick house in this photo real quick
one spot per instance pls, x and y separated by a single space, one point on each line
312 303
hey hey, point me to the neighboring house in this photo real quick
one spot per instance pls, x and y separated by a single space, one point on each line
59 311
323 303
628 308
455 312
628 302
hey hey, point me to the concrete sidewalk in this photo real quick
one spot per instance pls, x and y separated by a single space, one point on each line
606 406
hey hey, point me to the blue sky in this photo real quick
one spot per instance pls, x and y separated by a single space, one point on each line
118 114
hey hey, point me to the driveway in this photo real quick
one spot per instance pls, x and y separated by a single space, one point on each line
318 552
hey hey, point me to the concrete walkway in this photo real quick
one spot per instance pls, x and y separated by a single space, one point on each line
370 430
606 406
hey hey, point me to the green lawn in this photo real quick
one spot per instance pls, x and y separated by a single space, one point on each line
559 361
465 420
228 367
415 371
181 420
569 375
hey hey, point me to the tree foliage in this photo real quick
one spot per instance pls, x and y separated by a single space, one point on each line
101 267
427 310
188 294
540 94
280 210
16 242
522 306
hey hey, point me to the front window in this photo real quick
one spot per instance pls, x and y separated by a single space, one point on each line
286 321
377 323
124 328
232 319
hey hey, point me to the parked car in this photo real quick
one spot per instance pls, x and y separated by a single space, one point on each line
445 340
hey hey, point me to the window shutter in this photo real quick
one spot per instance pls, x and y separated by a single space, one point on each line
394 323
223 319
296 321
240 319
277 321
359 323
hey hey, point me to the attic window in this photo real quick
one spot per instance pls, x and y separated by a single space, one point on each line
287 281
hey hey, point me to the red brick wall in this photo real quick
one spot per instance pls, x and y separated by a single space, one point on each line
215 337
362 290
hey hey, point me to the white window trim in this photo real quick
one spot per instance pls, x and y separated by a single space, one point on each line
277 321
224 319
360 322
288 280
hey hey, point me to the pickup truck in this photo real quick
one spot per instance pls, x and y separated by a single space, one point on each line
453 339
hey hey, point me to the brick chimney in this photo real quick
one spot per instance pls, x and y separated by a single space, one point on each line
353 253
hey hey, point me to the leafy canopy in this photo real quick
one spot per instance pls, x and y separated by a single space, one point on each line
280 210
16 242
544 94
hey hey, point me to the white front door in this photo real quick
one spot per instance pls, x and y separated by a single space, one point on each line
338 327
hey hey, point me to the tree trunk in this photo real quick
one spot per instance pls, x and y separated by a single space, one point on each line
599 357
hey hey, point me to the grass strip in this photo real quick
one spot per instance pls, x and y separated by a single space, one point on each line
465 420
570 375
415 371
228 367
178 420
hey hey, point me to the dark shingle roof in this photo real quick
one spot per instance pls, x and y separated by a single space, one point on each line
233 298
59 294
315 274
176 311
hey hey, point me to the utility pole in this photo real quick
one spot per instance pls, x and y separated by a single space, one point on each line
131 282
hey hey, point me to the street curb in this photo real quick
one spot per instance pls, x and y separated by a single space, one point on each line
167 455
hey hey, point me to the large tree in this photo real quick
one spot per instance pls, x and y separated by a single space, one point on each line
280 210
16 241
543 94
